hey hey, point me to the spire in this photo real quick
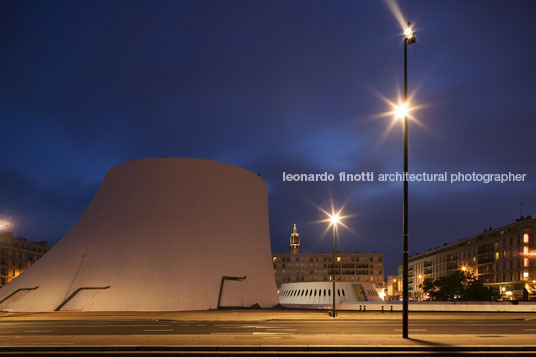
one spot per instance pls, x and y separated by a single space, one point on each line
295 241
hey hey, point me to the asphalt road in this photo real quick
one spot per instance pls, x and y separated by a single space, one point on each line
270 331
475 325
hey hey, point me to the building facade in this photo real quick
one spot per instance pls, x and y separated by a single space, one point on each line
200 212
16 255
296 266
502 257
393 292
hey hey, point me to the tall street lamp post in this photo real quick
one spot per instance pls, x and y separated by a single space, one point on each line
334 220
409 38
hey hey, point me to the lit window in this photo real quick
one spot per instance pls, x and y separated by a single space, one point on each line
274 259
526 275
526 250
525 262
338 259
525 238
496 255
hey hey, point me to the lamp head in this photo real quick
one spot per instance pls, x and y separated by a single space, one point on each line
334 218
409 34
4 225
401 111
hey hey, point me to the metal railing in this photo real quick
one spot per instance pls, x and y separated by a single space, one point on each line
223 278
77 291
16 291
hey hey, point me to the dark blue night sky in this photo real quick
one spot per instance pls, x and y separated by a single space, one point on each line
272 86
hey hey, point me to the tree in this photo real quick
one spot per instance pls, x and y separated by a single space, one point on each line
458 285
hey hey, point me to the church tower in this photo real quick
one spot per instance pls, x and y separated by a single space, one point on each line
295 241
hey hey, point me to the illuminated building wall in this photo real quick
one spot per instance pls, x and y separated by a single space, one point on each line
501 257
16 255
296 266
160 234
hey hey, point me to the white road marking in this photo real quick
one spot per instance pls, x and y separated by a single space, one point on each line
60 326
258 327
153 330
230 333
270 333
45 343
248 326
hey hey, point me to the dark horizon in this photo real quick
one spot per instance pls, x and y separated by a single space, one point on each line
273 86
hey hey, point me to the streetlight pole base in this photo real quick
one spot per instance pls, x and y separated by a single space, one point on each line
332 314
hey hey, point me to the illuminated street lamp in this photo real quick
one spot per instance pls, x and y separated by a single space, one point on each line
334 219
4 225
401 111
409 38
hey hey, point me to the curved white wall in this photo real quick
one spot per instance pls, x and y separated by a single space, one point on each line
161 233
320 293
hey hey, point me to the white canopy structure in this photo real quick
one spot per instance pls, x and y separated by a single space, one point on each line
319 294
160 234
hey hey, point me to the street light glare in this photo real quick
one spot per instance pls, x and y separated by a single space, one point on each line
334 218
401 111
408 32
4 225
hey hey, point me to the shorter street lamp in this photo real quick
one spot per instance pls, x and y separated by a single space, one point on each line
334 219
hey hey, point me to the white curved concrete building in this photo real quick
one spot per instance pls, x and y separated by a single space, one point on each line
320 293
159 235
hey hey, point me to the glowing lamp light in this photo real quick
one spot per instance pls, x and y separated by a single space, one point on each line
4 225
464 268
401 111
409 34
381 294
509 293
334 219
